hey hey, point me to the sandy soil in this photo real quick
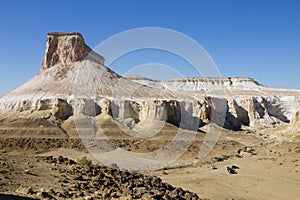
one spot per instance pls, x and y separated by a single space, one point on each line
271 172
268 160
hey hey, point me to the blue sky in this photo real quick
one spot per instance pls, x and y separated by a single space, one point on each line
257 38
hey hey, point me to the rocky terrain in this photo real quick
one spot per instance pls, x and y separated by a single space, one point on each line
62 178
77 107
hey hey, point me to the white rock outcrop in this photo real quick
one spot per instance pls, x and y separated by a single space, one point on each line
74 81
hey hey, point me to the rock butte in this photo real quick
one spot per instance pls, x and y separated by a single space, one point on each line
74 81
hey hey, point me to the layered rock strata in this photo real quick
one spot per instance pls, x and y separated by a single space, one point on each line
74 81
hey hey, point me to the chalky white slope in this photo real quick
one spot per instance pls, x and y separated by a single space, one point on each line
72 71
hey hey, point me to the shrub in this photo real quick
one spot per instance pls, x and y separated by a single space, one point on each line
85 161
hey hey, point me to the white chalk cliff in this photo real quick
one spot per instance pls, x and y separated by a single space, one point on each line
74 81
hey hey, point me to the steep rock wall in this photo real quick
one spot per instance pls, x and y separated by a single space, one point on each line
65 48
231 113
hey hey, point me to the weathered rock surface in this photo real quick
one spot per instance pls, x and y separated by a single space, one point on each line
200 84
74 81
66 48
296 119
62 178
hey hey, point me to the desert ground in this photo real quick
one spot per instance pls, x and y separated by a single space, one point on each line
269 172
268 162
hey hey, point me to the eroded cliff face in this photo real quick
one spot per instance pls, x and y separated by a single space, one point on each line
296 119
232 113
74 81
66 48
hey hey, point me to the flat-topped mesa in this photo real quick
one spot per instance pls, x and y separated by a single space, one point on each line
64 48
217 79
212 83
200 83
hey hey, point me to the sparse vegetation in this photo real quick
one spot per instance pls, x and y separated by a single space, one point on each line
85 161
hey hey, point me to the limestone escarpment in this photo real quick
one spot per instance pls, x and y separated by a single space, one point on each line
74 81
231 113
201 84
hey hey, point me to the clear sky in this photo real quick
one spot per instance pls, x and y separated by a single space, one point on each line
247 38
